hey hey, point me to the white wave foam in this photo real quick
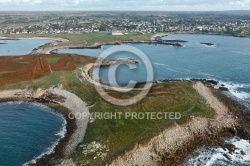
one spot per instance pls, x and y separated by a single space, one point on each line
241 145
212 46
215 46
234 89
63 130
61 133
242 53
217 155
12 102
51 149
174 69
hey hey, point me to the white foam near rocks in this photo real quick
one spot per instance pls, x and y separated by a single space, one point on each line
217 155
234 89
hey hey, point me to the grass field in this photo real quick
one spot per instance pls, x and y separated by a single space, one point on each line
85 39
53 60
117 135
247 30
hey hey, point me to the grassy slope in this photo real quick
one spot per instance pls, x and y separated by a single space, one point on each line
123 134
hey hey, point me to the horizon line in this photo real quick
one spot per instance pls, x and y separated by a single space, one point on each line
122 10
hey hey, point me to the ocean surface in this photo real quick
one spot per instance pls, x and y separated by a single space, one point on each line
28 131
20 47
228 62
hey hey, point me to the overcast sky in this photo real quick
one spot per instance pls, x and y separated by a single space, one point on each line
151 5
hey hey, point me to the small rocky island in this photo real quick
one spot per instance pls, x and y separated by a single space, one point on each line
208 44
176 43
119 61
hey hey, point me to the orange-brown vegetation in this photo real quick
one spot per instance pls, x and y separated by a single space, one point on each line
14 69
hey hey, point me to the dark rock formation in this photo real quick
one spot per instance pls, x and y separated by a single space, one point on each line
223 88
213 82
208 44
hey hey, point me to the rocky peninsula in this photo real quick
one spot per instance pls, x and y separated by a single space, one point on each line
175 143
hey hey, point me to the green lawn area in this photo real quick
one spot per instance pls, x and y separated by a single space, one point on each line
85 39
118 135
247 29
53 60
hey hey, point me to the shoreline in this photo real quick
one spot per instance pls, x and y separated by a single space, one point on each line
174 144
62 102
152 40
39 50
195 33
225 125
58 39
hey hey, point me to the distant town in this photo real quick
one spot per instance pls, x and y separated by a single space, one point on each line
121 23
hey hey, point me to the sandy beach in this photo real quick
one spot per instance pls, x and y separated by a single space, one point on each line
63 102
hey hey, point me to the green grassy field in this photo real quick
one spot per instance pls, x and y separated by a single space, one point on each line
247 30
53 60
117 135
85 39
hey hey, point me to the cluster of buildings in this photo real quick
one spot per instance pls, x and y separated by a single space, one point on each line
122 26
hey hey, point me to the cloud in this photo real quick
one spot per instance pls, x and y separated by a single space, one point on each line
124 5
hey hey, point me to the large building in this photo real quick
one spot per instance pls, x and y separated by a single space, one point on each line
117 33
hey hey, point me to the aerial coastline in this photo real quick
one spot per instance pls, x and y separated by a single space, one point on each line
228 125
113 83
192 134
165 148
152 39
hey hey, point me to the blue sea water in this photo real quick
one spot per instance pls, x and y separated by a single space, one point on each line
20 47
27 131
227 62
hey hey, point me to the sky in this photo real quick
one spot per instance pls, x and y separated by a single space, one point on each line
125 5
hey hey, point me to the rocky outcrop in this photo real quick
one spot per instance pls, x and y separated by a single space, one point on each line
208 44
175 143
